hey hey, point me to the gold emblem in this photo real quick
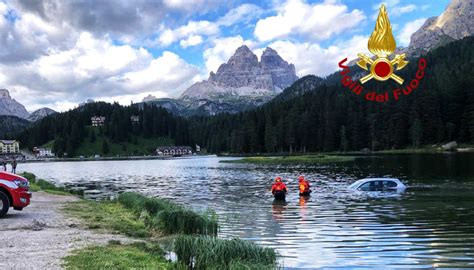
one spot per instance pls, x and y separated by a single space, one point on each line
382 44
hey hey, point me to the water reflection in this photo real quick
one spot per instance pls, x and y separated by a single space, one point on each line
431 224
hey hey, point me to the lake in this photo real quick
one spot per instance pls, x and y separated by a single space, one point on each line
431 224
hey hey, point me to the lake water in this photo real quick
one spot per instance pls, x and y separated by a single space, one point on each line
429 225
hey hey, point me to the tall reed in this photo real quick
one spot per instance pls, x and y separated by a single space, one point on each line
170 217
207 252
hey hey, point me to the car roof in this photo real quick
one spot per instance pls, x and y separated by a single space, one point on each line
365 180
10 176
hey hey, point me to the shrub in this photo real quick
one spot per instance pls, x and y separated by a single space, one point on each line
169 217
207 252
31 177
132 201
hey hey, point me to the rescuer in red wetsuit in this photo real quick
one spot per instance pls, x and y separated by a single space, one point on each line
304 186
278 185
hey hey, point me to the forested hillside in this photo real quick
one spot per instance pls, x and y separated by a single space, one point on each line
330 117
10 125
70 130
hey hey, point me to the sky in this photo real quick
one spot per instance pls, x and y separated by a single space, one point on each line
57 53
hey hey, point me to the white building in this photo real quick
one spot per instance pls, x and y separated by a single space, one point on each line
174 150
9 147
135 119
97 121
43 152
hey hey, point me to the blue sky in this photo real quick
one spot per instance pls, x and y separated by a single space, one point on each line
404 12
60 53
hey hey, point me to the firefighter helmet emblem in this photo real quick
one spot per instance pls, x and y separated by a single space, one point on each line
382 45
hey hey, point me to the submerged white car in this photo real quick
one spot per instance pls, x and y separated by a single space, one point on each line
378 184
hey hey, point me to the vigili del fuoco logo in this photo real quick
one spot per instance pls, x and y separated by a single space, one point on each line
382 66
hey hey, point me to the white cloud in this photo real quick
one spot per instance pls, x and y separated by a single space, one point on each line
194 6
169 36
311 58
394 8
222 50
192 40
188 32
408 30
168 73
316 21
97 69
245 12
28 36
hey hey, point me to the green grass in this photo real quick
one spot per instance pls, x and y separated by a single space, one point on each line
48 187
136 146
169 217
108 216
306 159
207 252
116 256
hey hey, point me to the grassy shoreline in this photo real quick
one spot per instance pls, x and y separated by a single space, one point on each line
151 221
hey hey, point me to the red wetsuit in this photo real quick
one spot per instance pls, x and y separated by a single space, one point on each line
278 186
304 186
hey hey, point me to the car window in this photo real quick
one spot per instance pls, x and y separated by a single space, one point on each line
372 186
365 187
389 184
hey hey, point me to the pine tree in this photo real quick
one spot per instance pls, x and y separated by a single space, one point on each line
92 136
416 133
105 147
344 142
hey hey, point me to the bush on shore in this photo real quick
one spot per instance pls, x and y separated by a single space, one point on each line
116 256
169 217
207 252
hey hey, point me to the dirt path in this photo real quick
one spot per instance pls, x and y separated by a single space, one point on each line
41 235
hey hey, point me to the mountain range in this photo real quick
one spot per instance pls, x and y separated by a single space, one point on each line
9 106
242 83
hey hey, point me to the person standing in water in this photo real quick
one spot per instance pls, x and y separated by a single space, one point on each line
14 165
279 189
304 186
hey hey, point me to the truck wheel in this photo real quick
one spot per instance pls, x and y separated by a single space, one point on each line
4 204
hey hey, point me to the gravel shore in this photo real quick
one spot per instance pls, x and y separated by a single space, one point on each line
41 235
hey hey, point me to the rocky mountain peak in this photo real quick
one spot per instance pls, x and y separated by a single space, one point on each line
150 97
9 106
244 75
40 113
243 59
269 51
4 94
241 83
456 22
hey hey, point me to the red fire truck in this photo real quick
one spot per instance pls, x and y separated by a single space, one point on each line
14 192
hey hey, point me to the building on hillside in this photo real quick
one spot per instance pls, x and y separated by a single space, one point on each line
97 121
174 150
135 119
41 152
9 147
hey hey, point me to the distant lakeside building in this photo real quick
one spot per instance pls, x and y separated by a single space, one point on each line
174 150
135 119
97 121
9 147
42 152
